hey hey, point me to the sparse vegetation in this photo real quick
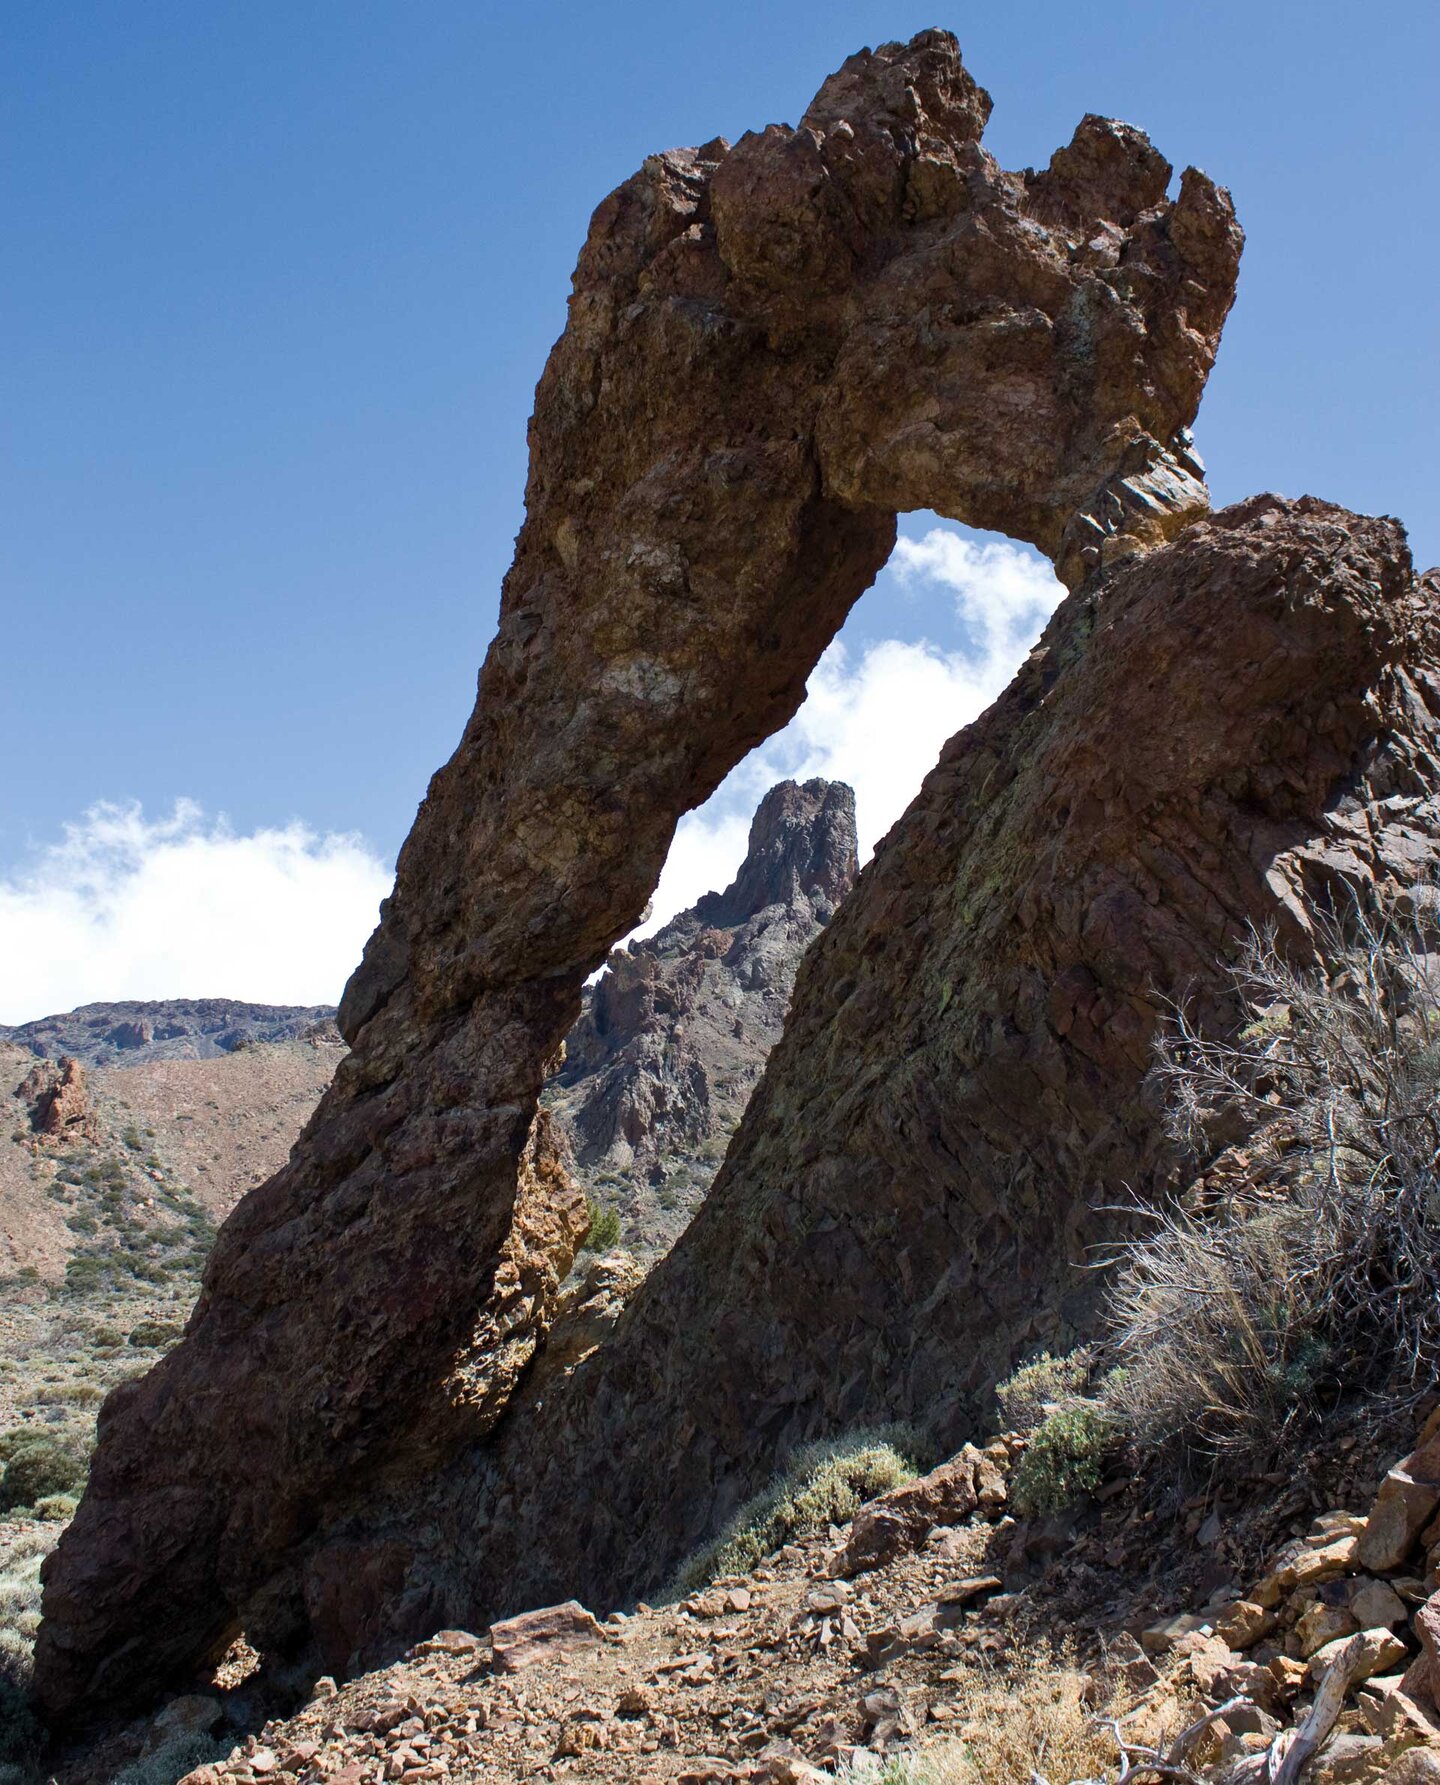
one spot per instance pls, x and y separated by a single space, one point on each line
821 1485
1066 1456
172 1760
1037 1716
1319 1274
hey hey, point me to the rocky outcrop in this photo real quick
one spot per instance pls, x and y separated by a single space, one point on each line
1229 732
673 1038
58 1101
138 1031
771 349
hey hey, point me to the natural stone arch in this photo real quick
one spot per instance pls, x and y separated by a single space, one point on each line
770 350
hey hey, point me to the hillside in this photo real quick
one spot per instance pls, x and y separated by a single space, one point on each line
137 1032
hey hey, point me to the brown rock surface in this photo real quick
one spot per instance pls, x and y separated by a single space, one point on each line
1403 1507
1224 733
771 349
59 1101
673 1038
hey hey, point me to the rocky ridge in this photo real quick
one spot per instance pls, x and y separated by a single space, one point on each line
673 1038
771 349
136 1032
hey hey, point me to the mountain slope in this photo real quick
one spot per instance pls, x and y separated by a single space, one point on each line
674 1036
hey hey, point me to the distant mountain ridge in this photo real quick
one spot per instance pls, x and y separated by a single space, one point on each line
134 1032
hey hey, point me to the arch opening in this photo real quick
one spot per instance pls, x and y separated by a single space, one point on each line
678 1024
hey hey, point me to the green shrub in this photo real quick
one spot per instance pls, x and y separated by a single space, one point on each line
1028 1395
1065 1458
41 1466
146 1335
173 1759
604 1228
821 1485
58 1507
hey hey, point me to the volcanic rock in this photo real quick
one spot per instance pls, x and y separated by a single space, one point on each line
1237 729
674 1036
771 349
59 1101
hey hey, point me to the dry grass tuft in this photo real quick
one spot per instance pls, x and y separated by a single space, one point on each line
821 1485
1034 1713
1320 1273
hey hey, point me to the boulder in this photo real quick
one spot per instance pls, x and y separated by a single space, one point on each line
1405 1504
538 1635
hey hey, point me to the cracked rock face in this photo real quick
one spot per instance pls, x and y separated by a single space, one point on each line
771 349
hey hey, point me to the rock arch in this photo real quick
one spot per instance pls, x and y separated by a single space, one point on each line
771 349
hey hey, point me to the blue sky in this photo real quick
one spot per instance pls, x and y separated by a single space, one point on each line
281 278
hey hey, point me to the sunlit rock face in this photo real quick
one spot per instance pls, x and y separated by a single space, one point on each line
771 349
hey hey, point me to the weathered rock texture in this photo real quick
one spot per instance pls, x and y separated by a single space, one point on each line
771 349
58 1101
674 1037
1230 731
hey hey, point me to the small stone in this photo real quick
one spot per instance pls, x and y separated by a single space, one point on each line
556 1630
1322 1624
1405 1504
1160 1638
1379 1649
1244 1623
1389 1711
1288 1674
450 1642
1417 1766
1347 1760
1377 1606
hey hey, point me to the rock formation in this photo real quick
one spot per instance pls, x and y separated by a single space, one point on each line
771 349
674 1036
1230 731
58 1100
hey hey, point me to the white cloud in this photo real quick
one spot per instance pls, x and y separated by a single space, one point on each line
183 907
130 907
878 717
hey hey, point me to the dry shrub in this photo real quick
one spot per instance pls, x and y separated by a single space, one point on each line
1033 1713
1322 1272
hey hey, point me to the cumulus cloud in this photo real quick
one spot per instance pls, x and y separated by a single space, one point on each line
126 906
877 716
182 907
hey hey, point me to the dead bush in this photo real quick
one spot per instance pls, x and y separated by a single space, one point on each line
1320 1273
